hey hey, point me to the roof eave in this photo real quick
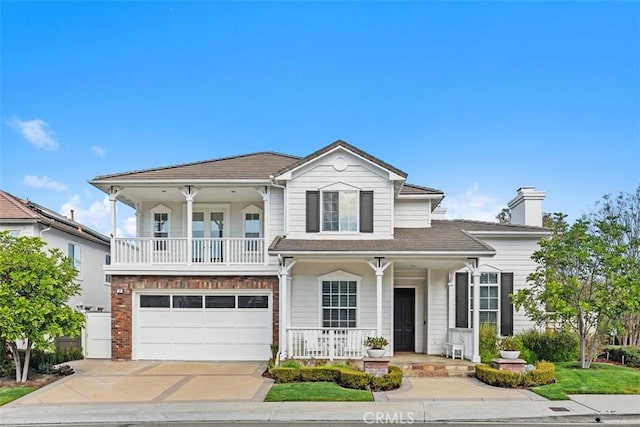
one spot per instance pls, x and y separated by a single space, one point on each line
445 254
533 233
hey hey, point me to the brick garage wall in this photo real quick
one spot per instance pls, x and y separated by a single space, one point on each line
121 304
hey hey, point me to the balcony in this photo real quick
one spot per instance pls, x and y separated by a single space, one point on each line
147 251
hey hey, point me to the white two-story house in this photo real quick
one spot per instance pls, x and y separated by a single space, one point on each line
314 254
88 249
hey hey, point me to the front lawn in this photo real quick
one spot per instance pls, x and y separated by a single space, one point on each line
316 392
602 378
9 394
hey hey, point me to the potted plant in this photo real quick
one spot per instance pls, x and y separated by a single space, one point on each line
376 346
510 347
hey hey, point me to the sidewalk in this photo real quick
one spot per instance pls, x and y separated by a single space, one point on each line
585 408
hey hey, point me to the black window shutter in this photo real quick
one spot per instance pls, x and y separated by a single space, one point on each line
366 211
462 300
313 211
506 306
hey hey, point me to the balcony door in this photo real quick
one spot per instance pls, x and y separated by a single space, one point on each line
208 231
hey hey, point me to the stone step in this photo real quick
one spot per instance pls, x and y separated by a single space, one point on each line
436 370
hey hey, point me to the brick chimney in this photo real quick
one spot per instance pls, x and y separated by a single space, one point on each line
526 207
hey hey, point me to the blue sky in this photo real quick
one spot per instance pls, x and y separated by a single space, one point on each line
474 98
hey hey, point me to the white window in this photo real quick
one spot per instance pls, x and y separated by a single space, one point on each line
75 253
107 261
252 224
160 226
339 303
489 299
15 233
339 211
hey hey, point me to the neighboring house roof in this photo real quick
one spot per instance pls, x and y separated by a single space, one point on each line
15 210
346 145
247 166
443 237
411 189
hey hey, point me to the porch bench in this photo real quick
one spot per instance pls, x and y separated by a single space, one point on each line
453 349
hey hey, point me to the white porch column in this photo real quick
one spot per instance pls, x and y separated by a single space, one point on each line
379 269
266 222
283 299
451 300
189 195
113 194
475 357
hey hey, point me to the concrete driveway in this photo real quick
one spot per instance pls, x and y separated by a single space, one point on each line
100 381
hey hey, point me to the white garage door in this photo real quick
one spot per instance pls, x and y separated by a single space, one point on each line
218 326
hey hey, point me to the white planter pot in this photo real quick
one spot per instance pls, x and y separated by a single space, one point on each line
506 354
375 352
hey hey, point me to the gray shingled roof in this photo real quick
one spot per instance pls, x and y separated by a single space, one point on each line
444 237
247 166
340 143
479 226
418 189
17 209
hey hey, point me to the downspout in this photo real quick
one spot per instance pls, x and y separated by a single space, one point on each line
284 200
46 229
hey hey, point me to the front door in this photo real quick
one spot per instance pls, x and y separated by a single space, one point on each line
404 314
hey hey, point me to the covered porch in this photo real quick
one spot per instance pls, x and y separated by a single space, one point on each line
329 307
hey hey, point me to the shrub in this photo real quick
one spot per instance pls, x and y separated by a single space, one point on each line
377 342
295 364
355 379
496 377
390 381
511 344
544 373
285 375
319 373
488 342
553 346
631 355
45 368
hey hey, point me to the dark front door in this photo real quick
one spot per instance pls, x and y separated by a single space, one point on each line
404 315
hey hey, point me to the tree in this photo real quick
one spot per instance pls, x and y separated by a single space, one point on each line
34 289
504 217
576 284
624 210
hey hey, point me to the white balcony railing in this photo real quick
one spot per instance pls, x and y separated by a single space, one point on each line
221 251
327 343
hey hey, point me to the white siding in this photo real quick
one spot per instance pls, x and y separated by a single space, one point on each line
514 256
277 213
412 213
437 304
357 173
305 308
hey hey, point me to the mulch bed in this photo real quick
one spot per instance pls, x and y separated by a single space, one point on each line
34 379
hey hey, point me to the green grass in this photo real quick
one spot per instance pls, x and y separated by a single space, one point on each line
316 392
602 378
9 394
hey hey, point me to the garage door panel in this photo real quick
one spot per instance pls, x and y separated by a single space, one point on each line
204 334
154 318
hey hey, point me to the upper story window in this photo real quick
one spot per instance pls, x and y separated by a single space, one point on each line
344 210
75 253
339 211
107 261
160 226
252 223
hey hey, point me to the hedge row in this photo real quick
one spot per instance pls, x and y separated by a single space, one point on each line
345 377
631 355
544 373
